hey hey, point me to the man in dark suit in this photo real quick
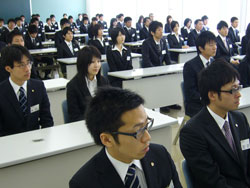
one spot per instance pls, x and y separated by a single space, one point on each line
205 22
32 41
64 22
130 32
41 31
79 20
224 44
120 18
154 48
233 33
85 25
215 142
116 119
24 104
144 32
102 22
2 30
206 48
19 26
10 27
192 36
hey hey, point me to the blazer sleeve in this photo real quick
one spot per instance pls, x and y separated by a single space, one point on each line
145 55
167 56
111 61
244 73
172 43
191 40
60 51
46 119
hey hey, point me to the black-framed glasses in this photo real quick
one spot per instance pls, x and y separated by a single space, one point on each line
139 134
234 90
22 65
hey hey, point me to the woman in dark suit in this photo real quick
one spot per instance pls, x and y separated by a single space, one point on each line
175 40
186 29
139 24
82 87
98 40
245 41
113 24
167 28
118 57
244 69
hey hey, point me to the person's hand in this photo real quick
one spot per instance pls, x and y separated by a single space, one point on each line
235 62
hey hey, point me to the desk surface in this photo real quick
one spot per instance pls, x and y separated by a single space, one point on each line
245 98
180 50
152 71
137 43
239 57
81 35
49 42
43 51
55 84
28 146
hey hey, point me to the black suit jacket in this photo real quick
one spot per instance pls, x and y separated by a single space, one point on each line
192 36
84 29
184 33
144 33
30 45
2 34
244 70
12 120
244 43
49 28
21 30
58 38
151 57
167 28
78 97
63 50
99 46
99 172
192 97
55 25
130 36
173 43
234 38
209 156
139 26
222 52
103 24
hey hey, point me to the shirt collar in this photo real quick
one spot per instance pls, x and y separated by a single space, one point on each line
17 87
128 28
68 43
122 167
222 38
115 48
204 60
88 80
157 43
219 120
197 31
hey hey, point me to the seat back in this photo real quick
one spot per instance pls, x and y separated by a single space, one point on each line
105 69
65 111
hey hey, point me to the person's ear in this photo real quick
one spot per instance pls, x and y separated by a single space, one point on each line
107 139
8 68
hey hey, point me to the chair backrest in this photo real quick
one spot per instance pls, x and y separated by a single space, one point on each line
187 174
65 111
105 69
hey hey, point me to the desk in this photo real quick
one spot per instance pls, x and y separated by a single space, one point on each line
71 63
238 57
245 102
56 90
43 51
159 86
64 149
184 54
48 43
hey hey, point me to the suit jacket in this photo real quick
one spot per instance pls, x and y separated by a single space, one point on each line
144 33
167 28
130 36
244 70
78 22
21 30
139 26
234 38
118 62
192 97
103 24
173 43
58 38
99 46
244 43
151 57
99 172
30 45
209 156
12 120
84 29
55 25
192 36
2 34
49 28
63 50
78 96
73 26
119 24
184 33
222 52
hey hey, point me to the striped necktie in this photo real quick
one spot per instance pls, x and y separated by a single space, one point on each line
229 136
131 179
23 101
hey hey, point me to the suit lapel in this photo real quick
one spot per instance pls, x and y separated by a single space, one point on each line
83 86
221 43
66 47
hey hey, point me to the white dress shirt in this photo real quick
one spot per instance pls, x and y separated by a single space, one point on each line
116 48
17 87
92 85
70 45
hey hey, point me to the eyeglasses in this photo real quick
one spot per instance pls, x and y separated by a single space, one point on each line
139 134
24 65
234 90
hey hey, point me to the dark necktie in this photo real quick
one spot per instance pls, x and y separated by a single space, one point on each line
229 136
23 101
158 46
34 41
131 179
207 64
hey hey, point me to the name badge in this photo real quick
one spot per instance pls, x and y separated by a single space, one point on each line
37 43
128 58
230 45
105 25
24 33
106 43
34 108
76 49
39 34
163 52
133 35
245 144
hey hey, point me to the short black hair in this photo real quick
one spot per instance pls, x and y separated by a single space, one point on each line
64 21
79 14
145 19
70 17
105 110
127 19
11 20
65 30
84 59
215 76
100 15
119 16
115 33
95 29
186 21
204 18
112 21
52 16
140 17
32 29
204 38
13 53
22 16
233 19
64 14
12 34
154 25
33 20
97 15
1 20
173 24
168 17
197 21
221 24
38 15
47 19
85 18
18 19
94 19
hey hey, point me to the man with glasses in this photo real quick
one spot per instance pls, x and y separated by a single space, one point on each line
24 104
215 142
116 119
